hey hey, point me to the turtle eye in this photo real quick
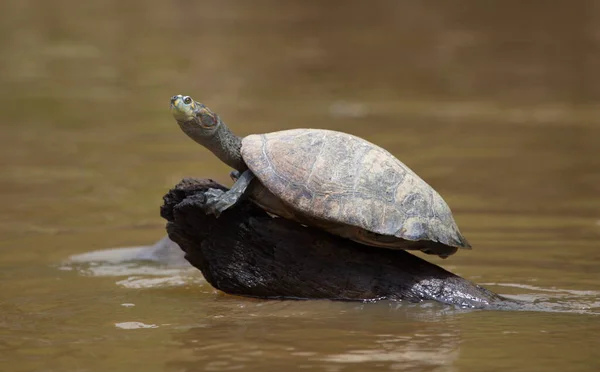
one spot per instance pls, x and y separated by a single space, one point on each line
187 100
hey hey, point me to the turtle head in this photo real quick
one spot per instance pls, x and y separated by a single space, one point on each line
206 128
193 117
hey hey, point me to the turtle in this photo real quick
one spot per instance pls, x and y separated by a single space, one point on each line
330 180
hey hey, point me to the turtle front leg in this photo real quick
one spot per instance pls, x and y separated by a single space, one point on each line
218 201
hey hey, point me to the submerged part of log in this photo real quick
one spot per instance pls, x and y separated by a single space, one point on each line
247 252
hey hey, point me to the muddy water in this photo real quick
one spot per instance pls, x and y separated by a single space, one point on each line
497 107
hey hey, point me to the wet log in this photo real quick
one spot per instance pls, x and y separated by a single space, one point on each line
250 253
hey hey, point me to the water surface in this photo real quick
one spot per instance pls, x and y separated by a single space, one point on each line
497 107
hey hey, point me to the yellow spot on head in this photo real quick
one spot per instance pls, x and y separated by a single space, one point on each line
182 111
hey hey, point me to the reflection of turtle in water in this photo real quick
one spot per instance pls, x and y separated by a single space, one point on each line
331 180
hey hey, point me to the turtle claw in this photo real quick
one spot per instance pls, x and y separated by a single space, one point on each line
215 202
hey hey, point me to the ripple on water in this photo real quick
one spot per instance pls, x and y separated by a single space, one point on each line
535 298
158 265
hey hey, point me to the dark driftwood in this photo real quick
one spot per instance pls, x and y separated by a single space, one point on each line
247 252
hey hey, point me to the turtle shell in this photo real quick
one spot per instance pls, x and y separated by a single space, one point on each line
343 179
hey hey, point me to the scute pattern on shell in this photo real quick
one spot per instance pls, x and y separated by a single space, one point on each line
347 180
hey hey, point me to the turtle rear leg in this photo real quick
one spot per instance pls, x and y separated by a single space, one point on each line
218 201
